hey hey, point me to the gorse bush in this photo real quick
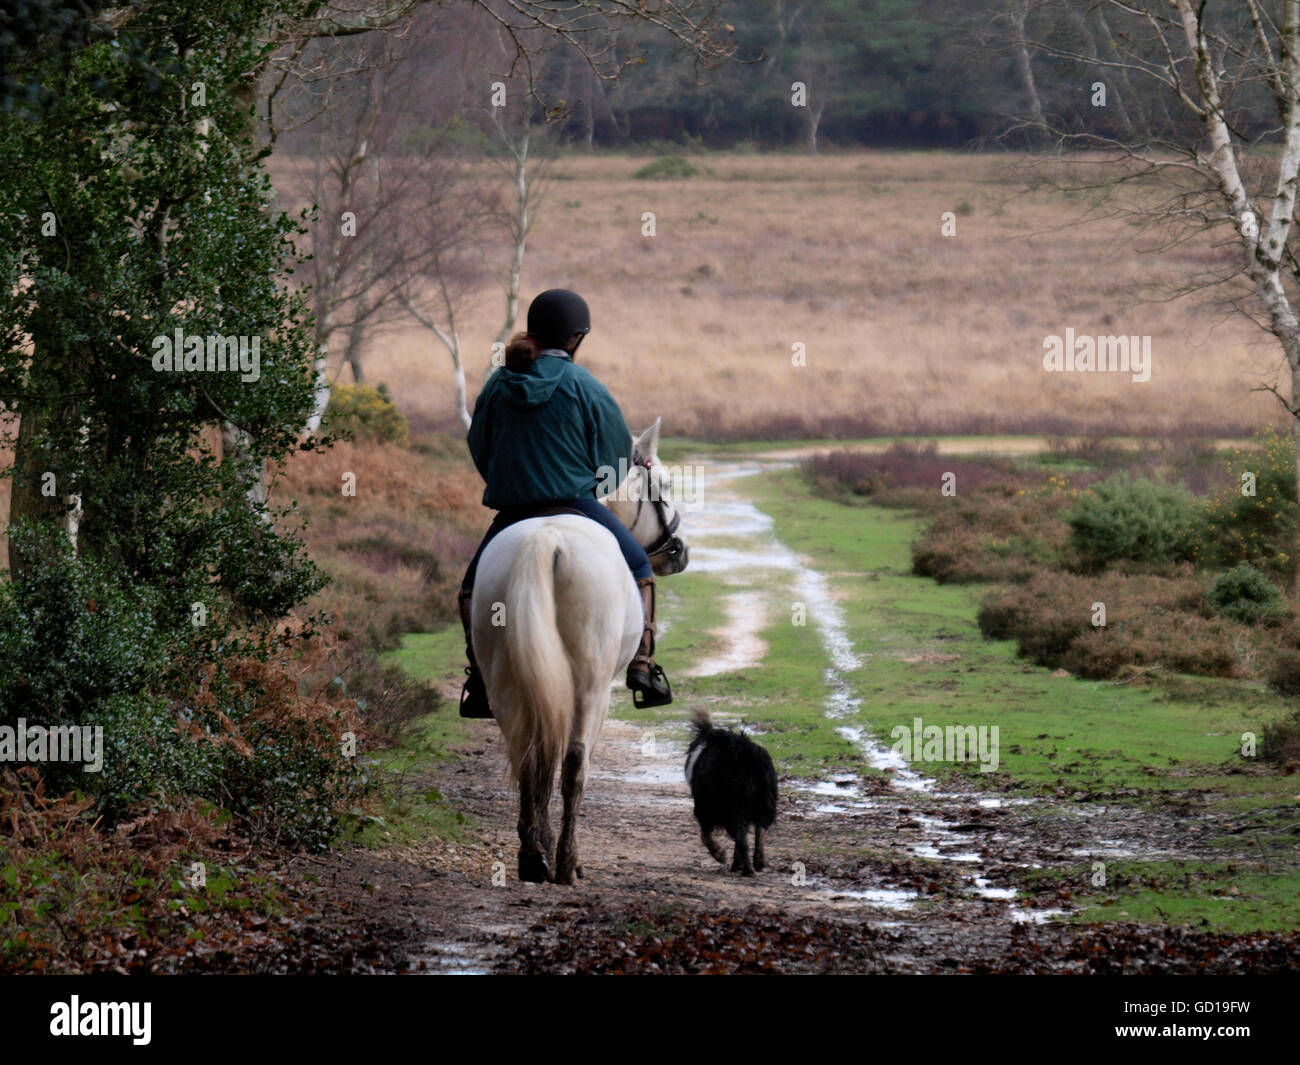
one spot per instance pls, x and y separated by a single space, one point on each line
1245 594
1258 528
362 411
1136 520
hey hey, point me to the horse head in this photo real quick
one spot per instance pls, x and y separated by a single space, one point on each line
644 504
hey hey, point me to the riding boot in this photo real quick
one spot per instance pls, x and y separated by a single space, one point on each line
646 679
473 696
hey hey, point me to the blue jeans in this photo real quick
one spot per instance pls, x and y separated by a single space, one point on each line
633 553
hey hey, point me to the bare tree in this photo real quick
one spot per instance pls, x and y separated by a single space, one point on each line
1218 161
450 223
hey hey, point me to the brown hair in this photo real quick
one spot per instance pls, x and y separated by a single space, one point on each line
522 352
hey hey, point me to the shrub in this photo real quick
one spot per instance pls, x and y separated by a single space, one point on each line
667 168
1246 595
359 410
901 465
994 534
1280 740
1284 674
1259 528
1150 621
1137 520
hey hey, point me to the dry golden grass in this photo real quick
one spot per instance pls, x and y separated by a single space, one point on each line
905 329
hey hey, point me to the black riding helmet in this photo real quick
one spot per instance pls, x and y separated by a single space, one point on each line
555 315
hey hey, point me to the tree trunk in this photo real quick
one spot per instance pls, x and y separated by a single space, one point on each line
813 121
520 234
356 339
32 460
235 445
1024 66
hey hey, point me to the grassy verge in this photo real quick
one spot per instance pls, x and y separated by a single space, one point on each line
1224 896
1058 734
408 808
1177 742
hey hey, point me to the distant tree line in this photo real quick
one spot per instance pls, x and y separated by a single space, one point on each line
921 73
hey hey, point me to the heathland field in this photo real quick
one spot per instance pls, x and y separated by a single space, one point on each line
905 330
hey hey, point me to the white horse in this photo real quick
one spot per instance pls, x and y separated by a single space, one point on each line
556 617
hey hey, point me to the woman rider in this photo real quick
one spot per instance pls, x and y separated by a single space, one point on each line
543 428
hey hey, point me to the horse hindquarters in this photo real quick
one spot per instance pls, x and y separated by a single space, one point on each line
571 623
530 686
599 633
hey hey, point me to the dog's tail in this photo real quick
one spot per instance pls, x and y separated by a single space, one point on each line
701 722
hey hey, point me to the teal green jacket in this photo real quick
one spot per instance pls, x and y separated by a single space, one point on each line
542 435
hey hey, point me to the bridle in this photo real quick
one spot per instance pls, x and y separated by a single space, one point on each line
667 545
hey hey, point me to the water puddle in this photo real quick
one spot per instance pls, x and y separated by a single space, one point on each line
454 958
885 898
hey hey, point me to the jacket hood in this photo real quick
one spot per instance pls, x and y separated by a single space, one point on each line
535 386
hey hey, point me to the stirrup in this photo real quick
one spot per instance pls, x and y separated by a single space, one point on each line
473 696
651 695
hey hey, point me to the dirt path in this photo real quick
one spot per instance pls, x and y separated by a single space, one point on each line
872 874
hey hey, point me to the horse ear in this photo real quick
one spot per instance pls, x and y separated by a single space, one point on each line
647 443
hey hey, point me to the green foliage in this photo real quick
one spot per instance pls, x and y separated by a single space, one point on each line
359 410
127 221
1258 528
1246 595
1127 519
667 168
1279 743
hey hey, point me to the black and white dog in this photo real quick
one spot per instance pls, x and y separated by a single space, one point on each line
733 784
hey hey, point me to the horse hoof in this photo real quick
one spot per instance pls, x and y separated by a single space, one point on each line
747 871
578 872
534 869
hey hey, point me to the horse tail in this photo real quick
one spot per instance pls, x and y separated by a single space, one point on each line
538 659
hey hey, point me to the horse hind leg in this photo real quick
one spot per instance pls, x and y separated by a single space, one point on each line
573 779
536 842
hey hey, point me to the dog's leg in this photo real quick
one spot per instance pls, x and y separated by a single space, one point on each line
740 862
719 855
760 858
